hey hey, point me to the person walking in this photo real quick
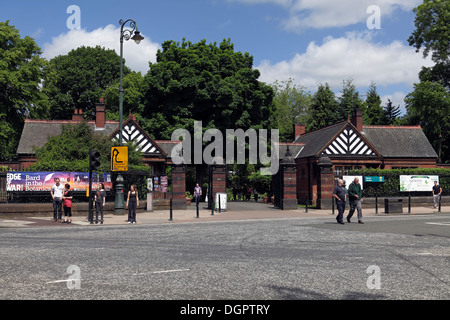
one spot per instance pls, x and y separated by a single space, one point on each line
437 190
341 199
255 194
67 203
197 194
355 197
132 204
57 194
100 201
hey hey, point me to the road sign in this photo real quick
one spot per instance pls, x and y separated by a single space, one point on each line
373 179
119 159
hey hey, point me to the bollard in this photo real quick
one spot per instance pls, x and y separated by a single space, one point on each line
306 208
409 203
332 206
376 203
219 204
439 204
197 212
171 214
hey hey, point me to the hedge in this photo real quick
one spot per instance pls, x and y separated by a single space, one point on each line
391 185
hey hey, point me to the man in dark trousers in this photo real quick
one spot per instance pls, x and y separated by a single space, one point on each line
341 199
437 190
355 197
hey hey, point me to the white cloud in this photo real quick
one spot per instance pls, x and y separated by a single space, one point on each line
353 56
304 14
136 57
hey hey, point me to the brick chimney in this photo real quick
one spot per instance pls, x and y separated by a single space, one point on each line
100 115
299 129
77 115
357 119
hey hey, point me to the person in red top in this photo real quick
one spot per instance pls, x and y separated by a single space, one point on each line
67 203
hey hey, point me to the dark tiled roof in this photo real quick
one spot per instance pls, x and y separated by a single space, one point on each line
399 142
36 133
316 140
294 149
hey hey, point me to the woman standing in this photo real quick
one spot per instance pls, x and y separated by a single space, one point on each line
100 200
132 204
67 203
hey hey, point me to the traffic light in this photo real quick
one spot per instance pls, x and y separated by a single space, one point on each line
94 160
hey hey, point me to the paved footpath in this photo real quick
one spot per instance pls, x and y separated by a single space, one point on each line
236 211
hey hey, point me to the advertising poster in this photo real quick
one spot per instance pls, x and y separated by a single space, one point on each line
43 181
417 183
164 184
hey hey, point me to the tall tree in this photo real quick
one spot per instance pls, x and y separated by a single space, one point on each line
21 72
429 106
80 78
208 83
350 100
324 110
292 104
374 110
390 113
432 34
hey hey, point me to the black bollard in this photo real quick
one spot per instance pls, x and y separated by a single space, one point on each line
376 203
306 208
439 204
197 212
409 203
171 219
332 206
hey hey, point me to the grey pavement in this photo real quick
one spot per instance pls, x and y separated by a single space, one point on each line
236 210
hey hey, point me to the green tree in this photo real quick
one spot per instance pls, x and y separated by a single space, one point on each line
429 106
80 78
350 100
21 71
374 111
70 151
324 109
292 103
432 29
390 113
432 34
132 96
208 83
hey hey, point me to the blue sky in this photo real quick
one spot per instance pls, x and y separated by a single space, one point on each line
310 41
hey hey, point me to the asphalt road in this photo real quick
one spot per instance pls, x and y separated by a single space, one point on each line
281 259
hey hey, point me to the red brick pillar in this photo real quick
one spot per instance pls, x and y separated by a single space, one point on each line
326 183
289 183
179 187
219 178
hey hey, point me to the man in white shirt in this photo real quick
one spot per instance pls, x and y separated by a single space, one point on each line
57 194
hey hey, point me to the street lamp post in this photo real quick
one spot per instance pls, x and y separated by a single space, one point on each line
125 34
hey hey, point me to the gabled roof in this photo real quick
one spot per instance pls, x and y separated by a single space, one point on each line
400 141
343 139
132 131
36 133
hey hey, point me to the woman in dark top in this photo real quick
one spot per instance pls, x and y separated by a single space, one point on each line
67 203
100 200
132 204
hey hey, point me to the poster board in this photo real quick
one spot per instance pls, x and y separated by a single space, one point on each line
417 183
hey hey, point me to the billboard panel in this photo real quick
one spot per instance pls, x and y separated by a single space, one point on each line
43 181
417 183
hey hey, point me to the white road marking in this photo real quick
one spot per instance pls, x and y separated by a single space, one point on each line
447 224
168 271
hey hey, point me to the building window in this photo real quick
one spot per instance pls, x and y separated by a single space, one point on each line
347 170
338 171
